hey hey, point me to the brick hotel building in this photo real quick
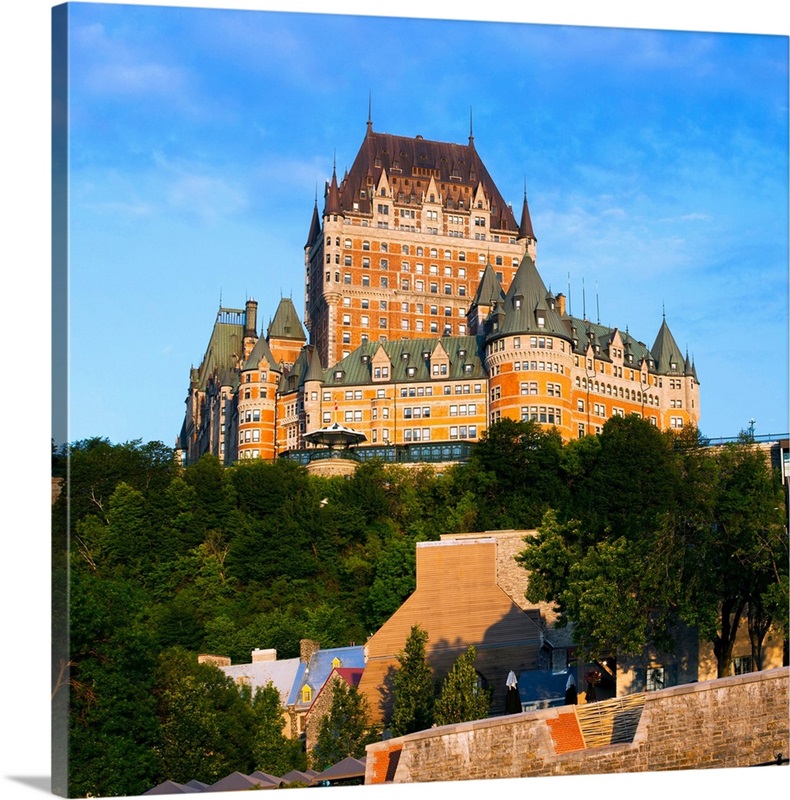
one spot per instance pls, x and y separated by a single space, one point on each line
425 321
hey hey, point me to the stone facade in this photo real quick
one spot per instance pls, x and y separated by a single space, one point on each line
731 722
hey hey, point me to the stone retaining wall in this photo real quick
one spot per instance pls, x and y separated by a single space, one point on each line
730 722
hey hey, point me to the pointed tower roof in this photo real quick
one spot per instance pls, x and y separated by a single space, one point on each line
525 230
286 324
666 352
332 204
315 227
315 372
489 290
526 307
260 352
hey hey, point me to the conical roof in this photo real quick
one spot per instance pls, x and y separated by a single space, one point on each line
286 324
315 227
332 204
525 230
526 308
489 289
315 372
260 352
666 352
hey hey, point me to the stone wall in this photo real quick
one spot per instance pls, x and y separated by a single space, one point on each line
731 722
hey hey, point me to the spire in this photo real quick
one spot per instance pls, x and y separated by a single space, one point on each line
315 224
666 352
315 372
489 290
370 113
525 230
526 307
286 324
471 134
332 205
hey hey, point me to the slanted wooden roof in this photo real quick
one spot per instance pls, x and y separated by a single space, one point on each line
459 603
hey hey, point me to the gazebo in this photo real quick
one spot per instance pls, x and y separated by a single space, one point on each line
336 456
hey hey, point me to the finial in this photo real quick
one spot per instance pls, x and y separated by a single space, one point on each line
597 304
584 301
471 134
370 111
663 311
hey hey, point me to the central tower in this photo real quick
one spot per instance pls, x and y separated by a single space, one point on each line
402 243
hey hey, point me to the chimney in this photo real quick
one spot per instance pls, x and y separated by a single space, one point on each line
561 304
306 649
263 655
251 318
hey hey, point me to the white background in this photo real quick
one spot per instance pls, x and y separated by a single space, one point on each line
25 364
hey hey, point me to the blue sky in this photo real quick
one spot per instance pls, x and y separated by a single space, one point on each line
655 164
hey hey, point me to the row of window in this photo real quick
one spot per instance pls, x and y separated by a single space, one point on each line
618 391
531 387
538 366
419 251
546 415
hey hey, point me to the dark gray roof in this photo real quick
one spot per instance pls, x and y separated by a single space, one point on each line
237 781
347 768
171 787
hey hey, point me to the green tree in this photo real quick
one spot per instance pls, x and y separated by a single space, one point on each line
207 725
736 566
272 751
462 697
113 728
516 473
345 730
413 691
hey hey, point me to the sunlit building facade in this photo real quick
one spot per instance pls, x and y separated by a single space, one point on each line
425 321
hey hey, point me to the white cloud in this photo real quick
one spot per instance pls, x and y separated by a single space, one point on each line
207 197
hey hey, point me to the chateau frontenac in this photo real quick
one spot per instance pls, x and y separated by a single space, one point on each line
425 321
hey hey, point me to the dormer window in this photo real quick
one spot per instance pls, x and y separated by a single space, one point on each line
307 694
541 318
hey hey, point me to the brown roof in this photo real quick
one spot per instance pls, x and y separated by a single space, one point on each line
458 602
457 169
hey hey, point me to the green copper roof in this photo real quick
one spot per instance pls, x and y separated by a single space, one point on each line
411 361
224 350
525 305
489 289
666 352
261 352
286 324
